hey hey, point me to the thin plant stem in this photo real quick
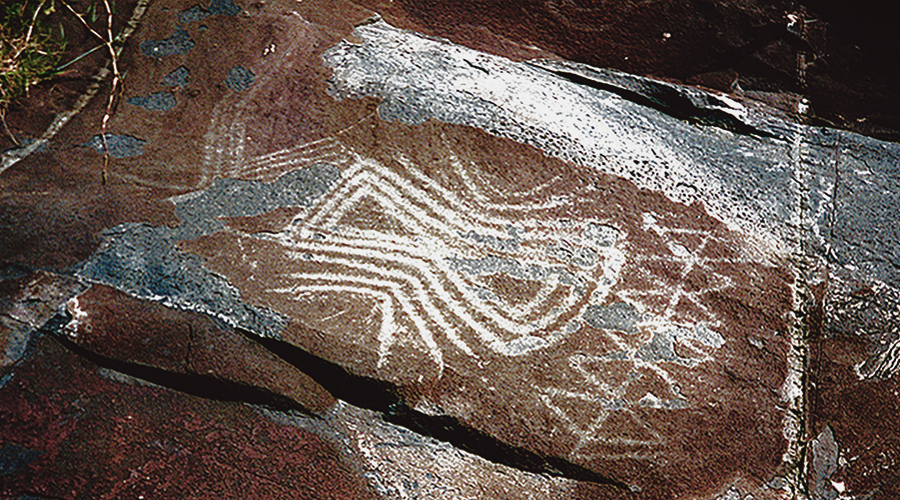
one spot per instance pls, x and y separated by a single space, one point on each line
116 77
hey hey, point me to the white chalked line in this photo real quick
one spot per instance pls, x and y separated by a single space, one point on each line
425 256
434 281
388 325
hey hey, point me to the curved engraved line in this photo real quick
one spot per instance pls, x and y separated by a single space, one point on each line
405 301
446 207
443 221
485 203
457 205
420 262
486 200
332 152
289 154
488 337
394 202
388 326
460 284
372 190
376 241
421 291
421 297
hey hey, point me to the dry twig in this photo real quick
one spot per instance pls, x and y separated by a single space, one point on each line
116 76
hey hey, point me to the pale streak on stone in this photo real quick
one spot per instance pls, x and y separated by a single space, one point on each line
388 325
575 116
78 316
589 433
327 150
353 248
430 468
690 260
485 201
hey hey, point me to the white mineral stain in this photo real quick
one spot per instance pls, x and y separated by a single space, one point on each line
78 316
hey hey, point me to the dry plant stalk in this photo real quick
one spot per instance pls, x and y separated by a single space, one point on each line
116 78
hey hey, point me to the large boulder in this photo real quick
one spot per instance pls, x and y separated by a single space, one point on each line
469 266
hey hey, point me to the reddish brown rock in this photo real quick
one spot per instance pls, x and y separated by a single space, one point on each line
860 415
627 323
71 430
697 370
854 391
119 327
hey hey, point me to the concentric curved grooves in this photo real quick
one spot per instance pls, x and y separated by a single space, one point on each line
418 271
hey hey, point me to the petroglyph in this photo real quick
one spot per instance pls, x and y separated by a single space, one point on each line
438 263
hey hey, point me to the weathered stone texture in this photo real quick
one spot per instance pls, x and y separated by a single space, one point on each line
72 430
336 257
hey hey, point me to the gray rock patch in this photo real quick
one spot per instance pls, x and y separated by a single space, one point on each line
824 453
145 261
493 264
179 43
202 212
618 316
120 146
178 78
662 346
216 7
239 79
493 242
157 101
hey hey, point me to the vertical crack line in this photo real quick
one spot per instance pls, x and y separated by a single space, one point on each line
803 263
797 385
832 222
190 351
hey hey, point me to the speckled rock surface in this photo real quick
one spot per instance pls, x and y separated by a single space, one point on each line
341 257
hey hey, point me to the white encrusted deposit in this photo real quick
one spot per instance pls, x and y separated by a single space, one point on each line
744 179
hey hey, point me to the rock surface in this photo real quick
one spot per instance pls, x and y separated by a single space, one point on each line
338 258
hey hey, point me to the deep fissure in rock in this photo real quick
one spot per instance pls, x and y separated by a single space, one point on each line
384 398
195 384
668 101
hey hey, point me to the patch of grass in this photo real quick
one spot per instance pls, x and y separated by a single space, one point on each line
30 47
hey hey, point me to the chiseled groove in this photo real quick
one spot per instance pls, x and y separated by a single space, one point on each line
417 208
